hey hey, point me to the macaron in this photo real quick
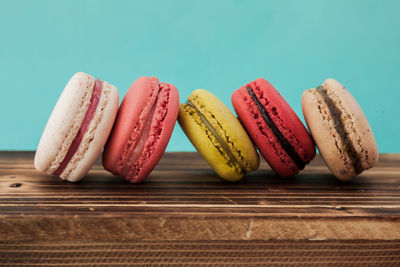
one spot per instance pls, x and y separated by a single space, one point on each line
217 135
340 129
277 131
144 124
78 128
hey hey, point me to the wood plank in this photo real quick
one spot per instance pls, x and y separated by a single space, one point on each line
184 200
225 253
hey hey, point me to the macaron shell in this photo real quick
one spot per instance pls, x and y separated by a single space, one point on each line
206 148
135 114
365 140
160 136
326 143
127 117
283 117
62 126
328 140
66 120
96 136
197 133
265 141
238 138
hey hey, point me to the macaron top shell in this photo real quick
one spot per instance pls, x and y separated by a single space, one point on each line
143 127
274 127
218 135
340 129
65 122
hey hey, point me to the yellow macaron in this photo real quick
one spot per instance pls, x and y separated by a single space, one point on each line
218 135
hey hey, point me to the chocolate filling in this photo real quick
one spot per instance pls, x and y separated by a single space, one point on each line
223 144
94 101
275 130
339 126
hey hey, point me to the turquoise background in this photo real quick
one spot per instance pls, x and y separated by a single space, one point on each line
215 45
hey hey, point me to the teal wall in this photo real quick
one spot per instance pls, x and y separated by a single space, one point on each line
216 45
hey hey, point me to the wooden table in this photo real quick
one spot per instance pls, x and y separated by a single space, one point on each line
184 214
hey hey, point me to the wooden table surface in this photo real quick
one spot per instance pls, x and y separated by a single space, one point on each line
184 214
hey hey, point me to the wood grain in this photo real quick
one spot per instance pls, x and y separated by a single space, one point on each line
184 211
221 253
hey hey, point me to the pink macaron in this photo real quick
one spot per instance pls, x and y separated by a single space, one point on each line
144 124
274 127
78 128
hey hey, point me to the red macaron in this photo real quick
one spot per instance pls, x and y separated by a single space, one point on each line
143 127
277 131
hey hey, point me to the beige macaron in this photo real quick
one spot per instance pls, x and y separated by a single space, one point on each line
78 128
340 129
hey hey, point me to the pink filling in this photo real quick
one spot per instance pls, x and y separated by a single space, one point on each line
94 101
